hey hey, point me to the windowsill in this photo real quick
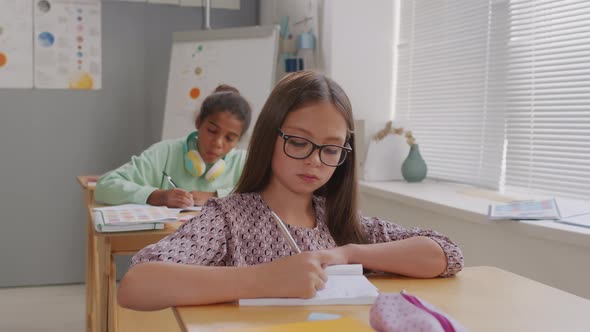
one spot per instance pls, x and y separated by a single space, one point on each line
470 204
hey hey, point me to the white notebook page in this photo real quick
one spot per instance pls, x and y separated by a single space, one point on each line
347 287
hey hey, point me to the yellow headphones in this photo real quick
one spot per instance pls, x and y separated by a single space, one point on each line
194 163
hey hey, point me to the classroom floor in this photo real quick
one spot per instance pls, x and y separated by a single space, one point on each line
50 308
62 308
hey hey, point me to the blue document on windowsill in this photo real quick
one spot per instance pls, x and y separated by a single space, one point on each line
525 210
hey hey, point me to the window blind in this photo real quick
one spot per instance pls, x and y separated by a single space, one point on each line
450 93
548 97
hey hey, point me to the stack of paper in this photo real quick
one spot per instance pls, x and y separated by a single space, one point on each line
582 220
525 210
346 285
132 217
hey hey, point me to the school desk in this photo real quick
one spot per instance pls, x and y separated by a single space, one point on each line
481 298
101 301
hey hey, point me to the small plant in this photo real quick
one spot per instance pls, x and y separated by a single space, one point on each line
410 138
389 129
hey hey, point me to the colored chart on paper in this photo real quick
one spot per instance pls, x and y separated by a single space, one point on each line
135 213
201 60
16 44
67 46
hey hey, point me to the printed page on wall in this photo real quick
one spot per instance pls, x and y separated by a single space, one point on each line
242 57
67 42
16 45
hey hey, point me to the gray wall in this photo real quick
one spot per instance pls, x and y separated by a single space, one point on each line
47 137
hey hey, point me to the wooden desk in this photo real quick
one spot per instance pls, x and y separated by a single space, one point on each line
101 300
107 246
91 280
481 298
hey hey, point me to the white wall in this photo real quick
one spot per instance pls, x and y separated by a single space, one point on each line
360 56
270 12
555 263
355 48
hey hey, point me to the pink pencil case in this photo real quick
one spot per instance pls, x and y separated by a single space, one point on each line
397 312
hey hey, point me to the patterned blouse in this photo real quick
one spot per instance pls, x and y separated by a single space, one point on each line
239 230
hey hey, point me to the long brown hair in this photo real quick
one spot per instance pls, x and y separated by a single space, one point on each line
293 92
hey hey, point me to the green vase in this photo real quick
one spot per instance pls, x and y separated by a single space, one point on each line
414 168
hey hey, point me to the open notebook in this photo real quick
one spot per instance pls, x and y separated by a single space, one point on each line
346 285
131 217
129 214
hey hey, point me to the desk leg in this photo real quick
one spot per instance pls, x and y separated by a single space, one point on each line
98 285
102 286
113 323
90 266
90 278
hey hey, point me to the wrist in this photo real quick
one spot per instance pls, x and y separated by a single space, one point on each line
251 282
350 253
157 198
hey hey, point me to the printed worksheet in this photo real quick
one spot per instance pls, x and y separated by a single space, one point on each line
522 210
16 45
135 214
67 41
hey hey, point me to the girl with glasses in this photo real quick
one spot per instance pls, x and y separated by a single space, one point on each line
301 167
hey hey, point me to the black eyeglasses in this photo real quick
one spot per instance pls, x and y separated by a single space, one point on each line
300 148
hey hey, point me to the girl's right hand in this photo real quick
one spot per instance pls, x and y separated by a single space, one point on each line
297 276
173 198
179 198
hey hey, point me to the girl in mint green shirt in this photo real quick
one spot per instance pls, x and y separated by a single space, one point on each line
198 167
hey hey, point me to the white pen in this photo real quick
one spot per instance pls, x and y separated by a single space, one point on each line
286 233
169 179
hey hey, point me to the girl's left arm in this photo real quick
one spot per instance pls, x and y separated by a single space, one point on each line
411 252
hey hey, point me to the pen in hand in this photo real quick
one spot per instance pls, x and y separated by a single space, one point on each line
172 198
169 179
286 233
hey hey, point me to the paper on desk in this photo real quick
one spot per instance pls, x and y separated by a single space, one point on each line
322 316
580 220
186 217
347 289
346 285
344 269
195 208
571 207
129 214
525 210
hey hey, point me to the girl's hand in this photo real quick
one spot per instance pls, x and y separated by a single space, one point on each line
178 198
201 197
337 255
299 276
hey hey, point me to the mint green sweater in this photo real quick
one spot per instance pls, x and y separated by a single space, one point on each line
137 179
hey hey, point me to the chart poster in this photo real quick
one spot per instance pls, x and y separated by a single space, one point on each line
16 44
67 44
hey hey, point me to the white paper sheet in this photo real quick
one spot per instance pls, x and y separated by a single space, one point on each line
16 45
580 220
67 41
346 285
